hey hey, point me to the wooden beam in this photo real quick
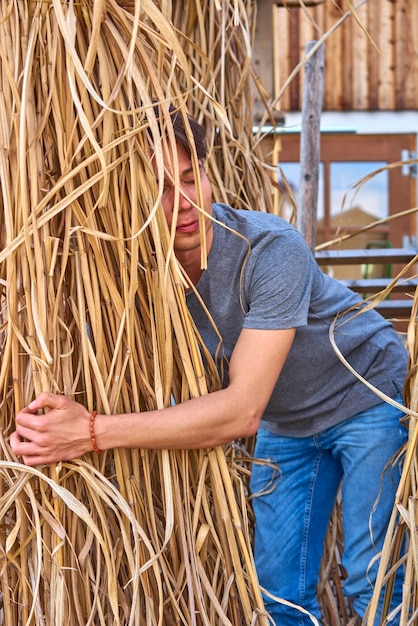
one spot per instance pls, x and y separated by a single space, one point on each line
395 309
374 285
378 255
310 143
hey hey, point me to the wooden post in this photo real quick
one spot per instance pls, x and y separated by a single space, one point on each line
310 143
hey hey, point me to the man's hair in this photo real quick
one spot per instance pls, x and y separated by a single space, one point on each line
182 134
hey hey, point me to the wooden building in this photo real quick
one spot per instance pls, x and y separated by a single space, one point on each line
371 52
369 119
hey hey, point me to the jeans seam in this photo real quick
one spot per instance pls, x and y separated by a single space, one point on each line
308 512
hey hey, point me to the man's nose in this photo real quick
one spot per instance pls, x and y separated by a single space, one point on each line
184 201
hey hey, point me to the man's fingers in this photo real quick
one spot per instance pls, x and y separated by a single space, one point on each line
30 452
46 400
15 441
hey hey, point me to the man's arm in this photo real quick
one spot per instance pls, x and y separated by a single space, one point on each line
214 419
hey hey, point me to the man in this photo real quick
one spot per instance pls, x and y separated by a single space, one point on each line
272 307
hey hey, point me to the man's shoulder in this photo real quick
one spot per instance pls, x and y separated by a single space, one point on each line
251 219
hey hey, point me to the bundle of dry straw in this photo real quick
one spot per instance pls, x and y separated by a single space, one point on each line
92 307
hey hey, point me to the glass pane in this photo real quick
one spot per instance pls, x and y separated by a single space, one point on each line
353 207
370 201
291 171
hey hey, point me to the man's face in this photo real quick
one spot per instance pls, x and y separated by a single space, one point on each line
187 229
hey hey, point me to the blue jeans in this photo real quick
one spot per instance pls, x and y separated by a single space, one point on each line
292 507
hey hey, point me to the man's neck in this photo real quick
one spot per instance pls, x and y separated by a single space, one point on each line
190 260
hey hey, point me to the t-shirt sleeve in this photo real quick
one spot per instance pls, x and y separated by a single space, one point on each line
278 283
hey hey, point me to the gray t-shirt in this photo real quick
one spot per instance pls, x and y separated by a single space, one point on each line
264 276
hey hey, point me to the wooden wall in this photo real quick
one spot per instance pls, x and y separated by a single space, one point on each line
371 57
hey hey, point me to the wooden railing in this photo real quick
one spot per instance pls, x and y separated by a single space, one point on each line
399 308
371 255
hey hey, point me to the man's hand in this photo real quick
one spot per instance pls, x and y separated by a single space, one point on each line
60 433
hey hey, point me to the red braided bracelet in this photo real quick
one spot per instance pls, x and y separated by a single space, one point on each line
92 435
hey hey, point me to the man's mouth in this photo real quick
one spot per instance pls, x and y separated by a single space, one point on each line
187 227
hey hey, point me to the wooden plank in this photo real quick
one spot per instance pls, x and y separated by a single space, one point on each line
345 65
372 26
281 55
307 33
399 309
263 57
400 45
378 255
334 55
307 28
319 18
386 70
360 47
374 285
294 56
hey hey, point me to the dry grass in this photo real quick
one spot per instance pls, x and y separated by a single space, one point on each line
91 305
